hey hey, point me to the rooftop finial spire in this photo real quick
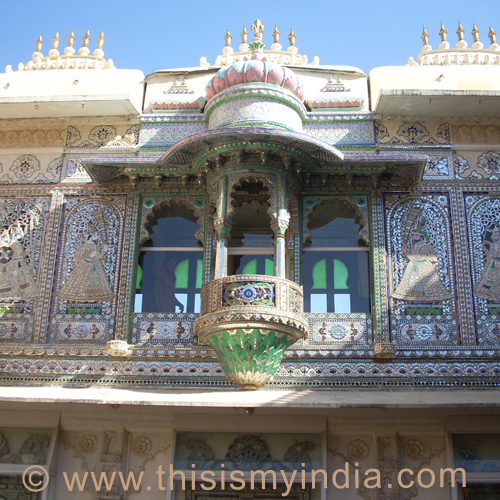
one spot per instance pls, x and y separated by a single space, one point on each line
258 29
228 38
38 44
442 33
71 39
69 50
84 50
292 38
444 43
86 39
493 36
244 35
244 40
475 33
100 42
276 34
425 37
53 52
461 44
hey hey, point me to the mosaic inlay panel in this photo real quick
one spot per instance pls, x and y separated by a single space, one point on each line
88 268
422 282
343 134
338 329
166 134
483 220
172 328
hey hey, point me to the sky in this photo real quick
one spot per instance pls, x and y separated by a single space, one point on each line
161 34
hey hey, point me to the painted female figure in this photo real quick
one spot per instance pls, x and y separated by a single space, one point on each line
488 285
17 277
421 281
87 280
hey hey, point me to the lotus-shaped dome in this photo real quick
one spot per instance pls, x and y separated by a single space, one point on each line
255 70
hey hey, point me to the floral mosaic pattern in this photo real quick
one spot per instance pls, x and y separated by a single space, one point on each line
257 111
248 293
342 134
167 134
337 329
410 133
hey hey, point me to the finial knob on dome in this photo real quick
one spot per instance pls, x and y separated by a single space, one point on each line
493 39
69 50
84 50
475 34
461 44
425 40
258 29
228 38
276 37
444 44
38 49
244 40
53 52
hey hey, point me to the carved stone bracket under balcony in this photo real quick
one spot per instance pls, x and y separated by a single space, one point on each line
250 321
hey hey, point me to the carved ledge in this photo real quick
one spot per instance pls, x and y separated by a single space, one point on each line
384 351
118 348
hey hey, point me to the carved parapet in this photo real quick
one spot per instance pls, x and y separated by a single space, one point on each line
250 321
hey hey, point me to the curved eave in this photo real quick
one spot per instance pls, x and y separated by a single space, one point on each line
188 150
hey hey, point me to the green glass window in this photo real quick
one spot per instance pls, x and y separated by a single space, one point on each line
170 267
335 262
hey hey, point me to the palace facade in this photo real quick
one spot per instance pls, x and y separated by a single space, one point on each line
258 263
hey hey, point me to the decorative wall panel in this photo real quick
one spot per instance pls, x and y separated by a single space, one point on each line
423 307
87 282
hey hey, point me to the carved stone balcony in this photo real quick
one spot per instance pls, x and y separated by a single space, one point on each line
250 321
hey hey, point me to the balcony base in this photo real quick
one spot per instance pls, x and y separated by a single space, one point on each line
250 357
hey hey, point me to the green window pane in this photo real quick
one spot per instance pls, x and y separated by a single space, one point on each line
319 275
139 278
199 273
182 274
251 267
340 275
269 268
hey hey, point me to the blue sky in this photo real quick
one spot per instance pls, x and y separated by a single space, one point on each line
154 34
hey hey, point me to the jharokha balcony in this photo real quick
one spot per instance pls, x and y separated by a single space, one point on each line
250 320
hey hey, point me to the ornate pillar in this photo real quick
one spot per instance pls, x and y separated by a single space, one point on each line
222 229
279 226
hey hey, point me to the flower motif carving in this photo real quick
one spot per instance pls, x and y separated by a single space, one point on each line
25 166
357 450
141 446
248 452
414 449
87 443
102 135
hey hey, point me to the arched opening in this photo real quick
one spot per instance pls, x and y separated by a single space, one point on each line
336 261
251 242
170 266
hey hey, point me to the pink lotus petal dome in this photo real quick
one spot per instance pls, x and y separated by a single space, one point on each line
255 70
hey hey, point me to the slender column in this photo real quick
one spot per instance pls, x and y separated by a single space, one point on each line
279 226
221 249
